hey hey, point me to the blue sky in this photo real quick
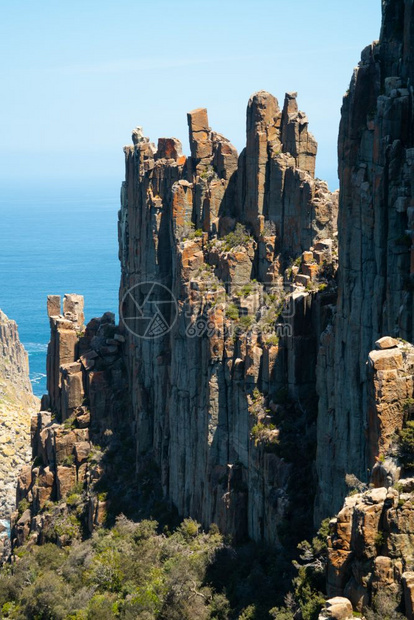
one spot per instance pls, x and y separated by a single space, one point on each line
77 76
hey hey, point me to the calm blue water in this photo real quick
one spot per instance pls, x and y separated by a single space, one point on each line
56 240
6 524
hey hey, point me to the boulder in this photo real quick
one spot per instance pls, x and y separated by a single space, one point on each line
386 343
386 359
337 608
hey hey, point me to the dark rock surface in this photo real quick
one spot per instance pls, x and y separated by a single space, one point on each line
375 239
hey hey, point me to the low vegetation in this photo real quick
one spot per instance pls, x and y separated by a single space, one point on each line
384 607
232 311
134 570
238 237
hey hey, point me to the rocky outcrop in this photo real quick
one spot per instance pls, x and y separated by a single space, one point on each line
224 259
85 400
390 394
62 467
371 548
16 403
375 278
84 363
276 176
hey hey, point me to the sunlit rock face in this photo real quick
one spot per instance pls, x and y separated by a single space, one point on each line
16 405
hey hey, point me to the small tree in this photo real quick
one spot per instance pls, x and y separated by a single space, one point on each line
238 237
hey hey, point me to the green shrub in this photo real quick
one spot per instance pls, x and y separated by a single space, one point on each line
130 571
103 607
23 506
232 311
246 321
281 613
219 607
70 422
383 606
408 404
144 530
256 394
309 599
68 461
257 430
8 610
239 237
50 557
47 598
73 499
246 289
261 432
379 539
77 488
189 528
320 541
249 613
271 339
67 526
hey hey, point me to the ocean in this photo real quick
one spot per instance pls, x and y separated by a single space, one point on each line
56 239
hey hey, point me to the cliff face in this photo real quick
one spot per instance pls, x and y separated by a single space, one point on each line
208 246
376 255
16 403
229 285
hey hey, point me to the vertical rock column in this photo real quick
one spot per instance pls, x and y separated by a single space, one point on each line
276 178
390 392
64 377
212 170
262 129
